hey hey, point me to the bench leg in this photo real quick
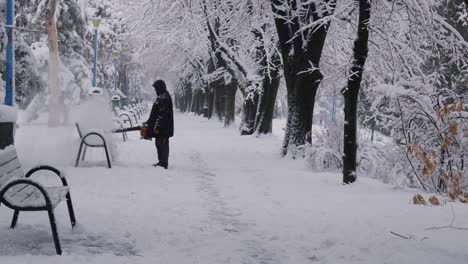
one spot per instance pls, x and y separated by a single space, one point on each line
107 156
71 212
53 226
15 219
79 154
84 152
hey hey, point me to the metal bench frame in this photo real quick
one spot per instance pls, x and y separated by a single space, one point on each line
48 203
86 145
129 119
124 134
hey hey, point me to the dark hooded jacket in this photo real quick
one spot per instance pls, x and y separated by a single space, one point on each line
162 114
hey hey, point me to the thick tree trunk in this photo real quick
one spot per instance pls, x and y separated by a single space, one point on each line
351 93
219 100
193 107
266 96
301 102
188 98
201 102
300 54
209 100
266 105
249 111
230 103
54 86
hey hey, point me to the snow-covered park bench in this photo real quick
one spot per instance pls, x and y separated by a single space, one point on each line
120 125
20 193
92 139
133 112
124 116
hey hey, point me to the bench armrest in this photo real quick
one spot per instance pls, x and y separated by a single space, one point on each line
26 182
129 119
48 168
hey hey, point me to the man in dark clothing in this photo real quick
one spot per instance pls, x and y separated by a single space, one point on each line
161 122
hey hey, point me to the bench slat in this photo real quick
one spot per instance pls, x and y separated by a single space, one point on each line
7 154
10 170
9 165
32 197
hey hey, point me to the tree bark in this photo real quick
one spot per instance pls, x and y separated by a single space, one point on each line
230 103
351 92
54 86
219 100
266 105
265 98
301 50
249 111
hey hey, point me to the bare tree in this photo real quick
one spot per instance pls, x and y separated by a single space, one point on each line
351 92
54 85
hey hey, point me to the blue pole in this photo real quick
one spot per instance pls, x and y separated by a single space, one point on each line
10 71
95 56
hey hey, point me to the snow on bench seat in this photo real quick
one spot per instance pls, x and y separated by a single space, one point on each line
20 193
24 195
27 196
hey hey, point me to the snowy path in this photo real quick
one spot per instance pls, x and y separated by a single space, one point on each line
225 199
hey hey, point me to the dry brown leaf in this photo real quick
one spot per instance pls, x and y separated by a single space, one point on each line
451 196
453 129
418 199
433 200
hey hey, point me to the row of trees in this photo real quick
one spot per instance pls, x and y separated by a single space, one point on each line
406 49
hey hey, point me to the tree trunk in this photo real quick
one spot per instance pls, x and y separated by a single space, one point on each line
54 88
201 102
219 100
300 55
230 103
249 111
351 92
301 102
266 105
193 102
208 107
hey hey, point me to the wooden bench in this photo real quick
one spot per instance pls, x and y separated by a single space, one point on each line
19 193
92 139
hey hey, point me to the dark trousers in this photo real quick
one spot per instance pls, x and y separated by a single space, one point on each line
162 145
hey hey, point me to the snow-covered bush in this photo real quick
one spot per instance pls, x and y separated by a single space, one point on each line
327 147
382 161
434 133
378 156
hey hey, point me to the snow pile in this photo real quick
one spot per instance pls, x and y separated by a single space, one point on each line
95 115
8 114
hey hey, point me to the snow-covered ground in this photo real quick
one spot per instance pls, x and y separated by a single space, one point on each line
224 199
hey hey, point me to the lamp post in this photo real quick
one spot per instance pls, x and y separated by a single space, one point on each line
10 56
7 127
96 23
